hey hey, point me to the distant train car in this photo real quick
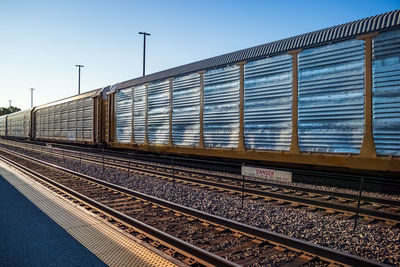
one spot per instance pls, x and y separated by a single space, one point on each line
19 124
3 126
76 119
327 98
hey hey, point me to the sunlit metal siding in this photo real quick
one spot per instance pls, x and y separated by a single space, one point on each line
221 107
158 112
69 121
57 120
79 120
124 100
139 120
268 103
331 98
38 123
19 124
64 121
382 22
186 110
88 106
386 93
71 130
3 121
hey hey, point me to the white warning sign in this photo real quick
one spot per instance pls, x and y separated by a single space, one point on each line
268 174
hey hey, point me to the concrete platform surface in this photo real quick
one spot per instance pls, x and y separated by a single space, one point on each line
39 228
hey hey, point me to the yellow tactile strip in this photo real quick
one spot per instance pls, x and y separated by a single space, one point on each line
109 244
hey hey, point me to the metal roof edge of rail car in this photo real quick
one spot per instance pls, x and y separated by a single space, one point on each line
383 22
91 93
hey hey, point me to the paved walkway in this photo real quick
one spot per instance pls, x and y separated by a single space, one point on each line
40 228
28 237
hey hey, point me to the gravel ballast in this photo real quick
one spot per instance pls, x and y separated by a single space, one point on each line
371 241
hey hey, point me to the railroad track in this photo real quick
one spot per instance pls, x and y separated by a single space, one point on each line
372 210
194 237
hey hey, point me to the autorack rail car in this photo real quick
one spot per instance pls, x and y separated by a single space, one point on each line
19 124
326 98
329 98
77 119
3 125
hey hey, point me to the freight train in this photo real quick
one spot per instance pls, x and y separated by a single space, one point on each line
328 98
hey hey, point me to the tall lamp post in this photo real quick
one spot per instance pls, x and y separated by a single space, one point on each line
144 50
31 96
79 78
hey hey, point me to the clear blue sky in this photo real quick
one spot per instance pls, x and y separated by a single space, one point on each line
42 41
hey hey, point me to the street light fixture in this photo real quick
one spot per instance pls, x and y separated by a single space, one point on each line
31 96
144 50
79 78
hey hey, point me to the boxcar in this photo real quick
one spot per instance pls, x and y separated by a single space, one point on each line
75 119
326 98
19 124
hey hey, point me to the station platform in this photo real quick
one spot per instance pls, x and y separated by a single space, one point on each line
40 228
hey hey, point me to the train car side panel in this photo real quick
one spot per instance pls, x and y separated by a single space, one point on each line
3 125
331 98
19 124
186 110
158 112
139 99
386 93
221 107
123 106
268 103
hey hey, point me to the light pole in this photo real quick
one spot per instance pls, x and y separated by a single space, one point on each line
144 50
31 96
79 78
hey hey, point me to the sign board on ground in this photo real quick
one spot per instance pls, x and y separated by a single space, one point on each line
268 174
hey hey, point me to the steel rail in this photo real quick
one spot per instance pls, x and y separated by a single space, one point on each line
298 199
276 195
302 245
173 241
256 182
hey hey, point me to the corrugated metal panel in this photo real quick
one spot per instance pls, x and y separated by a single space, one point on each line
79 120
88 119
158 112
50 123
268 103
221 107
331 98
139 119
186 110
71 130
386 93
67 121
123 104
57 120
38 123
3 125
64 121
18 124
382 22
88 104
